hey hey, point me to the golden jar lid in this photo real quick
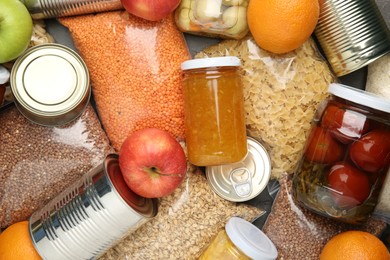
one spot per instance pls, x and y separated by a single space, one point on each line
50 84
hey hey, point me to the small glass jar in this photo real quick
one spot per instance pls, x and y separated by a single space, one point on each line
346 157
240 240
214 111
213 18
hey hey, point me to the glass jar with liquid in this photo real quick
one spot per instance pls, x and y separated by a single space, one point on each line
214 111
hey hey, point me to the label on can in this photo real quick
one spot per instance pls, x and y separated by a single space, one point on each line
243 180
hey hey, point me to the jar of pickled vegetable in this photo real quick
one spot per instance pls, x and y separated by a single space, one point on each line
346 157
240 240
213 18
214 111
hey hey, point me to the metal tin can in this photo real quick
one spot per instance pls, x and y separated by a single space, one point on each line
50 84
352 34
40 9
243 180
90 216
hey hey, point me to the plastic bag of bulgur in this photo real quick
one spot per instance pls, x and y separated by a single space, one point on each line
38 162
281 95
135 71
300 234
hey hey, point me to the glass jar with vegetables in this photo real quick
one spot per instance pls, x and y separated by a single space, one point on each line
213 18
347 155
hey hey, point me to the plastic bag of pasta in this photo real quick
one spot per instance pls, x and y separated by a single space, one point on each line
281 95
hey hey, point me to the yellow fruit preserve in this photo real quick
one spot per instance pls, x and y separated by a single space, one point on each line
214 111
240 240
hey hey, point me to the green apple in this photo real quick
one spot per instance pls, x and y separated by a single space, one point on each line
15 29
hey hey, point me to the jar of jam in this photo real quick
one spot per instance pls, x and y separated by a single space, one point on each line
346 157
214 111
240 240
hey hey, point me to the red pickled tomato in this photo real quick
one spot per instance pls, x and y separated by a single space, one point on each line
322 148
345 125
349 186
372 151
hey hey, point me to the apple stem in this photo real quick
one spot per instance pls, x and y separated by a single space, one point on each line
155 170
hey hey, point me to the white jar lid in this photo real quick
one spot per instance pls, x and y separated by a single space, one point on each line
250 240
360 97
226 61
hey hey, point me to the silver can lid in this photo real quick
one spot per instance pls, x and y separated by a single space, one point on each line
243 180
50 84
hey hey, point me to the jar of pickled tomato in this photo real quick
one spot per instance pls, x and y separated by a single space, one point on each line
214 111
240 240
346 157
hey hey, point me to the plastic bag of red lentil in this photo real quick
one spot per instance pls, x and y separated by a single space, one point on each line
300 234
135 71
38 162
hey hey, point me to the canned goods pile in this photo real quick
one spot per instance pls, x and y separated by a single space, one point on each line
151 130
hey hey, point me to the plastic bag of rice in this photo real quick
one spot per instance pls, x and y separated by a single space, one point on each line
281 92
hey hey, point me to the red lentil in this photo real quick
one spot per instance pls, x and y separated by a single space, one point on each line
135 71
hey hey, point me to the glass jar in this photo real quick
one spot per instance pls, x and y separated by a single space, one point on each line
346 157
240 240
213 18
214 111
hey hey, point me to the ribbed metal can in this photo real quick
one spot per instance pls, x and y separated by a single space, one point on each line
58 8
90 216
352 34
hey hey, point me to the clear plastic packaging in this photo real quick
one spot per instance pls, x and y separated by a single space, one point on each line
213 18
135 72
281 94
187 221
299 233
38 162
347 155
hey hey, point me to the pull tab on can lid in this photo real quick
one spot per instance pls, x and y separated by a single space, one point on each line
243 180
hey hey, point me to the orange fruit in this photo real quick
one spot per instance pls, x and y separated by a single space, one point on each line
16 244
353 245
281 26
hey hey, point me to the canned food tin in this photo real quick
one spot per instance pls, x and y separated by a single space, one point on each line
352 34
243 180
40 9
90 216
50 84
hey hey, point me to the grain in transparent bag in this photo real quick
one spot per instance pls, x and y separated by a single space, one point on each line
38 162
281 95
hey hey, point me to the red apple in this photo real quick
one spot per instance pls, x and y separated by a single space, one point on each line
152 10
152 162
